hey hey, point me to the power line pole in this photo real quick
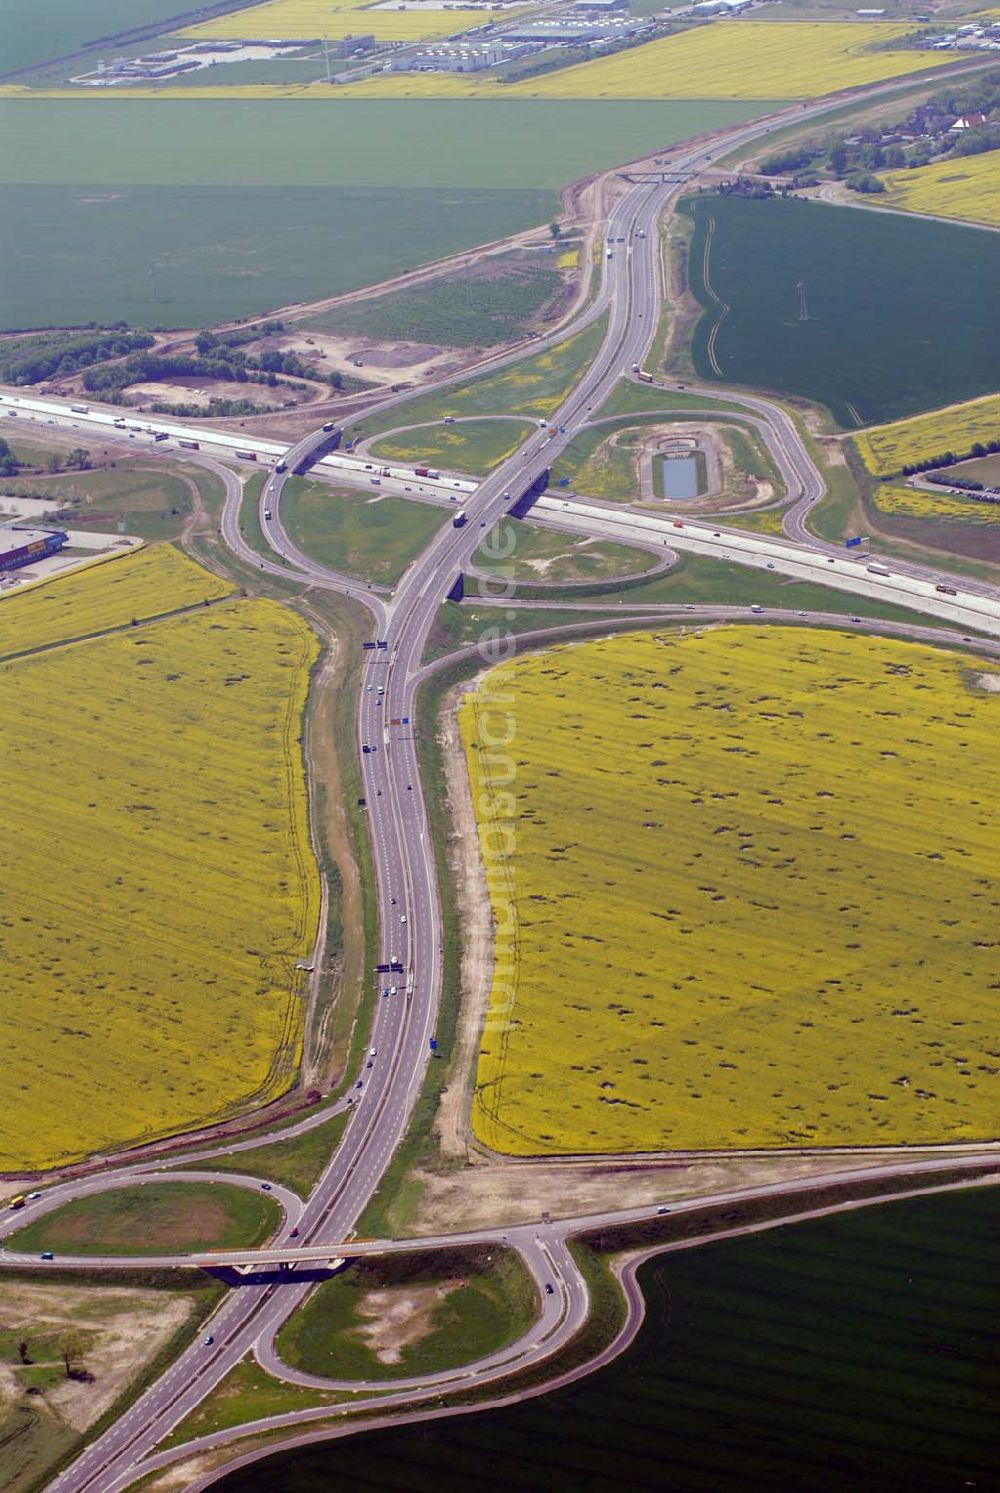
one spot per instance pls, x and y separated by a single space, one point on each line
803 305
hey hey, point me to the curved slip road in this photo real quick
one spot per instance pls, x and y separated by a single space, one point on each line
403 855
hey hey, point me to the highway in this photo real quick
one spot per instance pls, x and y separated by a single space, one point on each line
402 850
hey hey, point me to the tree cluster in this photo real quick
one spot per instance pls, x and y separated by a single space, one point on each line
218 355
925 136
32 360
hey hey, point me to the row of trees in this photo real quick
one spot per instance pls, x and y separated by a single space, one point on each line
949 458
32 360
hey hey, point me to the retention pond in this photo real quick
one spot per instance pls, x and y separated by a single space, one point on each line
680 476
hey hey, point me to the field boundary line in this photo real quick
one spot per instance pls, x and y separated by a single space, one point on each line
108 632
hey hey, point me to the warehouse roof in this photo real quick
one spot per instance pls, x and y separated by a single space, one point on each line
16 539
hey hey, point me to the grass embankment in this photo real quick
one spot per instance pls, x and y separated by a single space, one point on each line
629 398
126 971
296 1162
541 555
467 446
361 534
765 879
534 387
456 626
399 1316
154 1219
146 500
602 462
247 1394
695 578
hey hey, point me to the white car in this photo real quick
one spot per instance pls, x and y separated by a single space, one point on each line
372 1052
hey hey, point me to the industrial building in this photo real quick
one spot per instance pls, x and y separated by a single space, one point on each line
461 57
25 546
575 29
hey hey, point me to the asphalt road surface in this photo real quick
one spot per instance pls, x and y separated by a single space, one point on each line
410 921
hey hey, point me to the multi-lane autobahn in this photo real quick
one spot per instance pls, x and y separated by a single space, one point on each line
629 294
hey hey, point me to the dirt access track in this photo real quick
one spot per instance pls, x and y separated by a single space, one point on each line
462 1185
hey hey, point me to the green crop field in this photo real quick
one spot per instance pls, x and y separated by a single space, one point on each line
260 203
852 1353
874 344
530 145
372 537
192 256
30 32
494 301
155 1219
467 446
773 921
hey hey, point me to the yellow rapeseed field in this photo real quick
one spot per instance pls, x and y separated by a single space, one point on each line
755 874
145 583
291 20
965 188
885 449
728 59
157 885
917 502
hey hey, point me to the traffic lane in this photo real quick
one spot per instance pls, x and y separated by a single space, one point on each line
547 1235
232 536
561 1302
58 1196
634 1315
970 609
664 614
272 528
